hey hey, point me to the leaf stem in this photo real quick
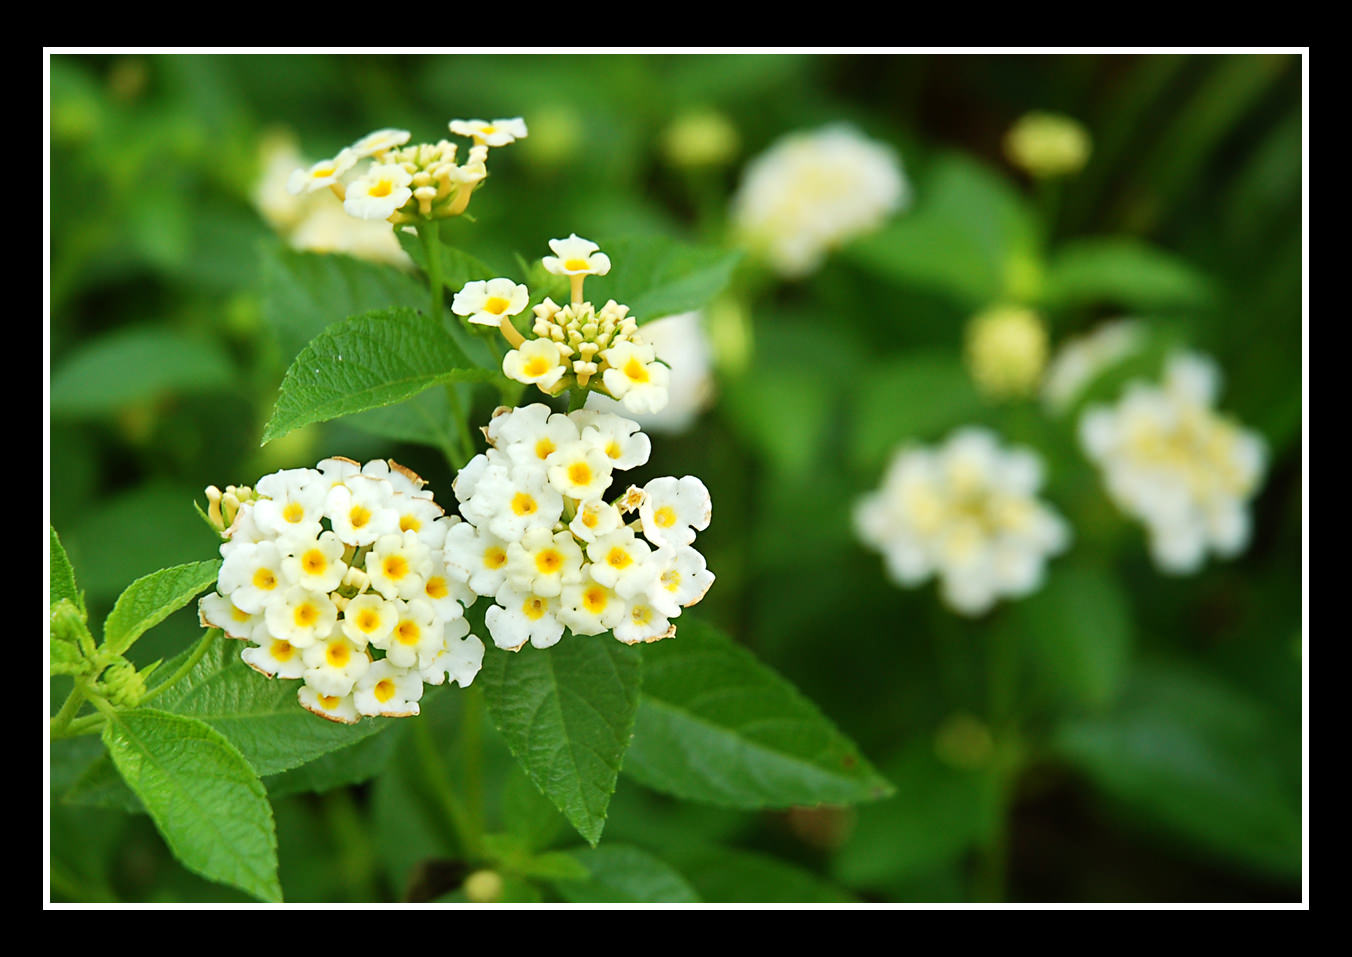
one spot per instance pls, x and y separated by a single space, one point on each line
68 711
202 645
438 779
430 234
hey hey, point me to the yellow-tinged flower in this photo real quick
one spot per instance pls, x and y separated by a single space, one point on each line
1007 351
491 133
1047 144
576 256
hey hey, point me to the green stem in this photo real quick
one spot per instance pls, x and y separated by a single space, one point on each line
68 711
430 234
86 725
1002 680
438 778
577 398
464 442
202 645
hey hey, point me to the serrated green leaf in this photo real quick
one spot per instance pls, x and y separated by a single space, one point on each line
206 801
919 396
1200 760
566 714
1076 632
365 362
149 600
61 576
260 716
131 365
1126 273
716 725
655 276
618 873
345 766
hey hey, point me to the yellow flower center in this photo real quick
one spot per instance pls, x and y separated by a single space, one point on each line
590 518
537 366
314 562
613 449
495 557
408 632
305 615
671 580
577 264
665 516
436 587
359 516
549 561
618 558
368 620
338 654
523 504
636 371
534 608
382 189
496 305
488 130
544 448
281 650
384 690
293 512
580 473
395 567
410 523
641 614
240 616
327 701
595 599
264 579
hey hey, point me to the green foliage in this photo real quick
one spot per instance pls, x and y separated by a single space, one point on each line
1126 273
202 795
136 365
657 277
620 874
365 362
716 725
61 576
950 400
725 875
566 714
149 600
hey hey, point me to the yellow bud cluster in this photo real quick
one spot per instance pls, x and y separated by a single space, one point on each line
581 333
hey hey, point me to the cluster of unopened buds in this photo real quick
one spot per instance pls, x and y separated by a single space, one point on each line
542 539
406 184
576 346
335 575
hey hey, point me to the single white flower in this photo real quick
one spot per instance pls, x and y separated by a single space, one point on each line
379 142
301 617
519 617
595 518
674 509
460 659
477 557
217 611
417 635
543 562
580 470
643 622
315 564
619 438
487 301
589 608
621 561
576 256
251 575
333 665
388 691
369 619
398 565
448 595
635 377
536 362
292 503
340 709
683 578
494 133
377 194
275 657
324 173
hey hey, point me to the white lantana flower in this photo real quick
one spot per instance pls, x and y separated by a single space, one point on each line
487 301
519 617
673 509
494 133
1169 459
536 362
542 563
328 604
635 377
813 191
324 173
576 256
1083 358
379 193
965 512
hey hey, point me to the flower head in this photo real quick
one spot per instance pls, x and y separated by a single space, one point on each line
576 256
488 301
494 133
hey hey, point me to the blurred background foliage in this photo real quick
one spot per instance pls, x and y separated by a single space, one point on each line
1158 740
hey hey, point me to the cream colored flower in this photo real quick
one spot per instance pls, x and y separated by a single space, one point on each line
494 133
576 256
488 301
379 193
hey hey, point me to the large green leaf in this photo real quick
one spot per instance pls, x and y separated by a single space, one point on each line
1200 760
620 874
61 576
260 716
149 600
352 764
716 725
207 802
655 276
1126 273
1076 632
365 362
917 396
132 365
566 713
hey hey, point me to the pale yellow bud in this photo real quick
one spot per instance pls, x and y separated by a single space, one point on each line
1047 144
1006 351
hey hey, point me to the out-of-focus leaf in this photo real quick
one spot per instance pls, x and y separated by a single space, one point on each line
1126 273
655 276
457 267
132 365
716 725
726 875
1201 761
567 713
365 362
913 397
617 873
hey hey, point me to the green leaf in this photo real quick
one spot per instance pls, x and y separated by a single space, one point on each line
655 276
727 875
352 764
206 801
716 725
305 293
621 874
1126 273
366 362
566 713
61 576
1077 633
528 815
259 716
132 365
1200 760
426 419
918 396
937 814
149 600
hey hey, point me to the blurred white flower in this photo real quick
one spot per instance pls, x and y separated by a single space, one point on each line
810 192
1169 459
1080 360
967 513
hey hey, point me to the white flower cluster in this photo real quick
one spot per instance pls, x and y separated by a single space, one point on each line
1083 358
966 512
401 183
541 539
1169 459
335 575
575 346
811 192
